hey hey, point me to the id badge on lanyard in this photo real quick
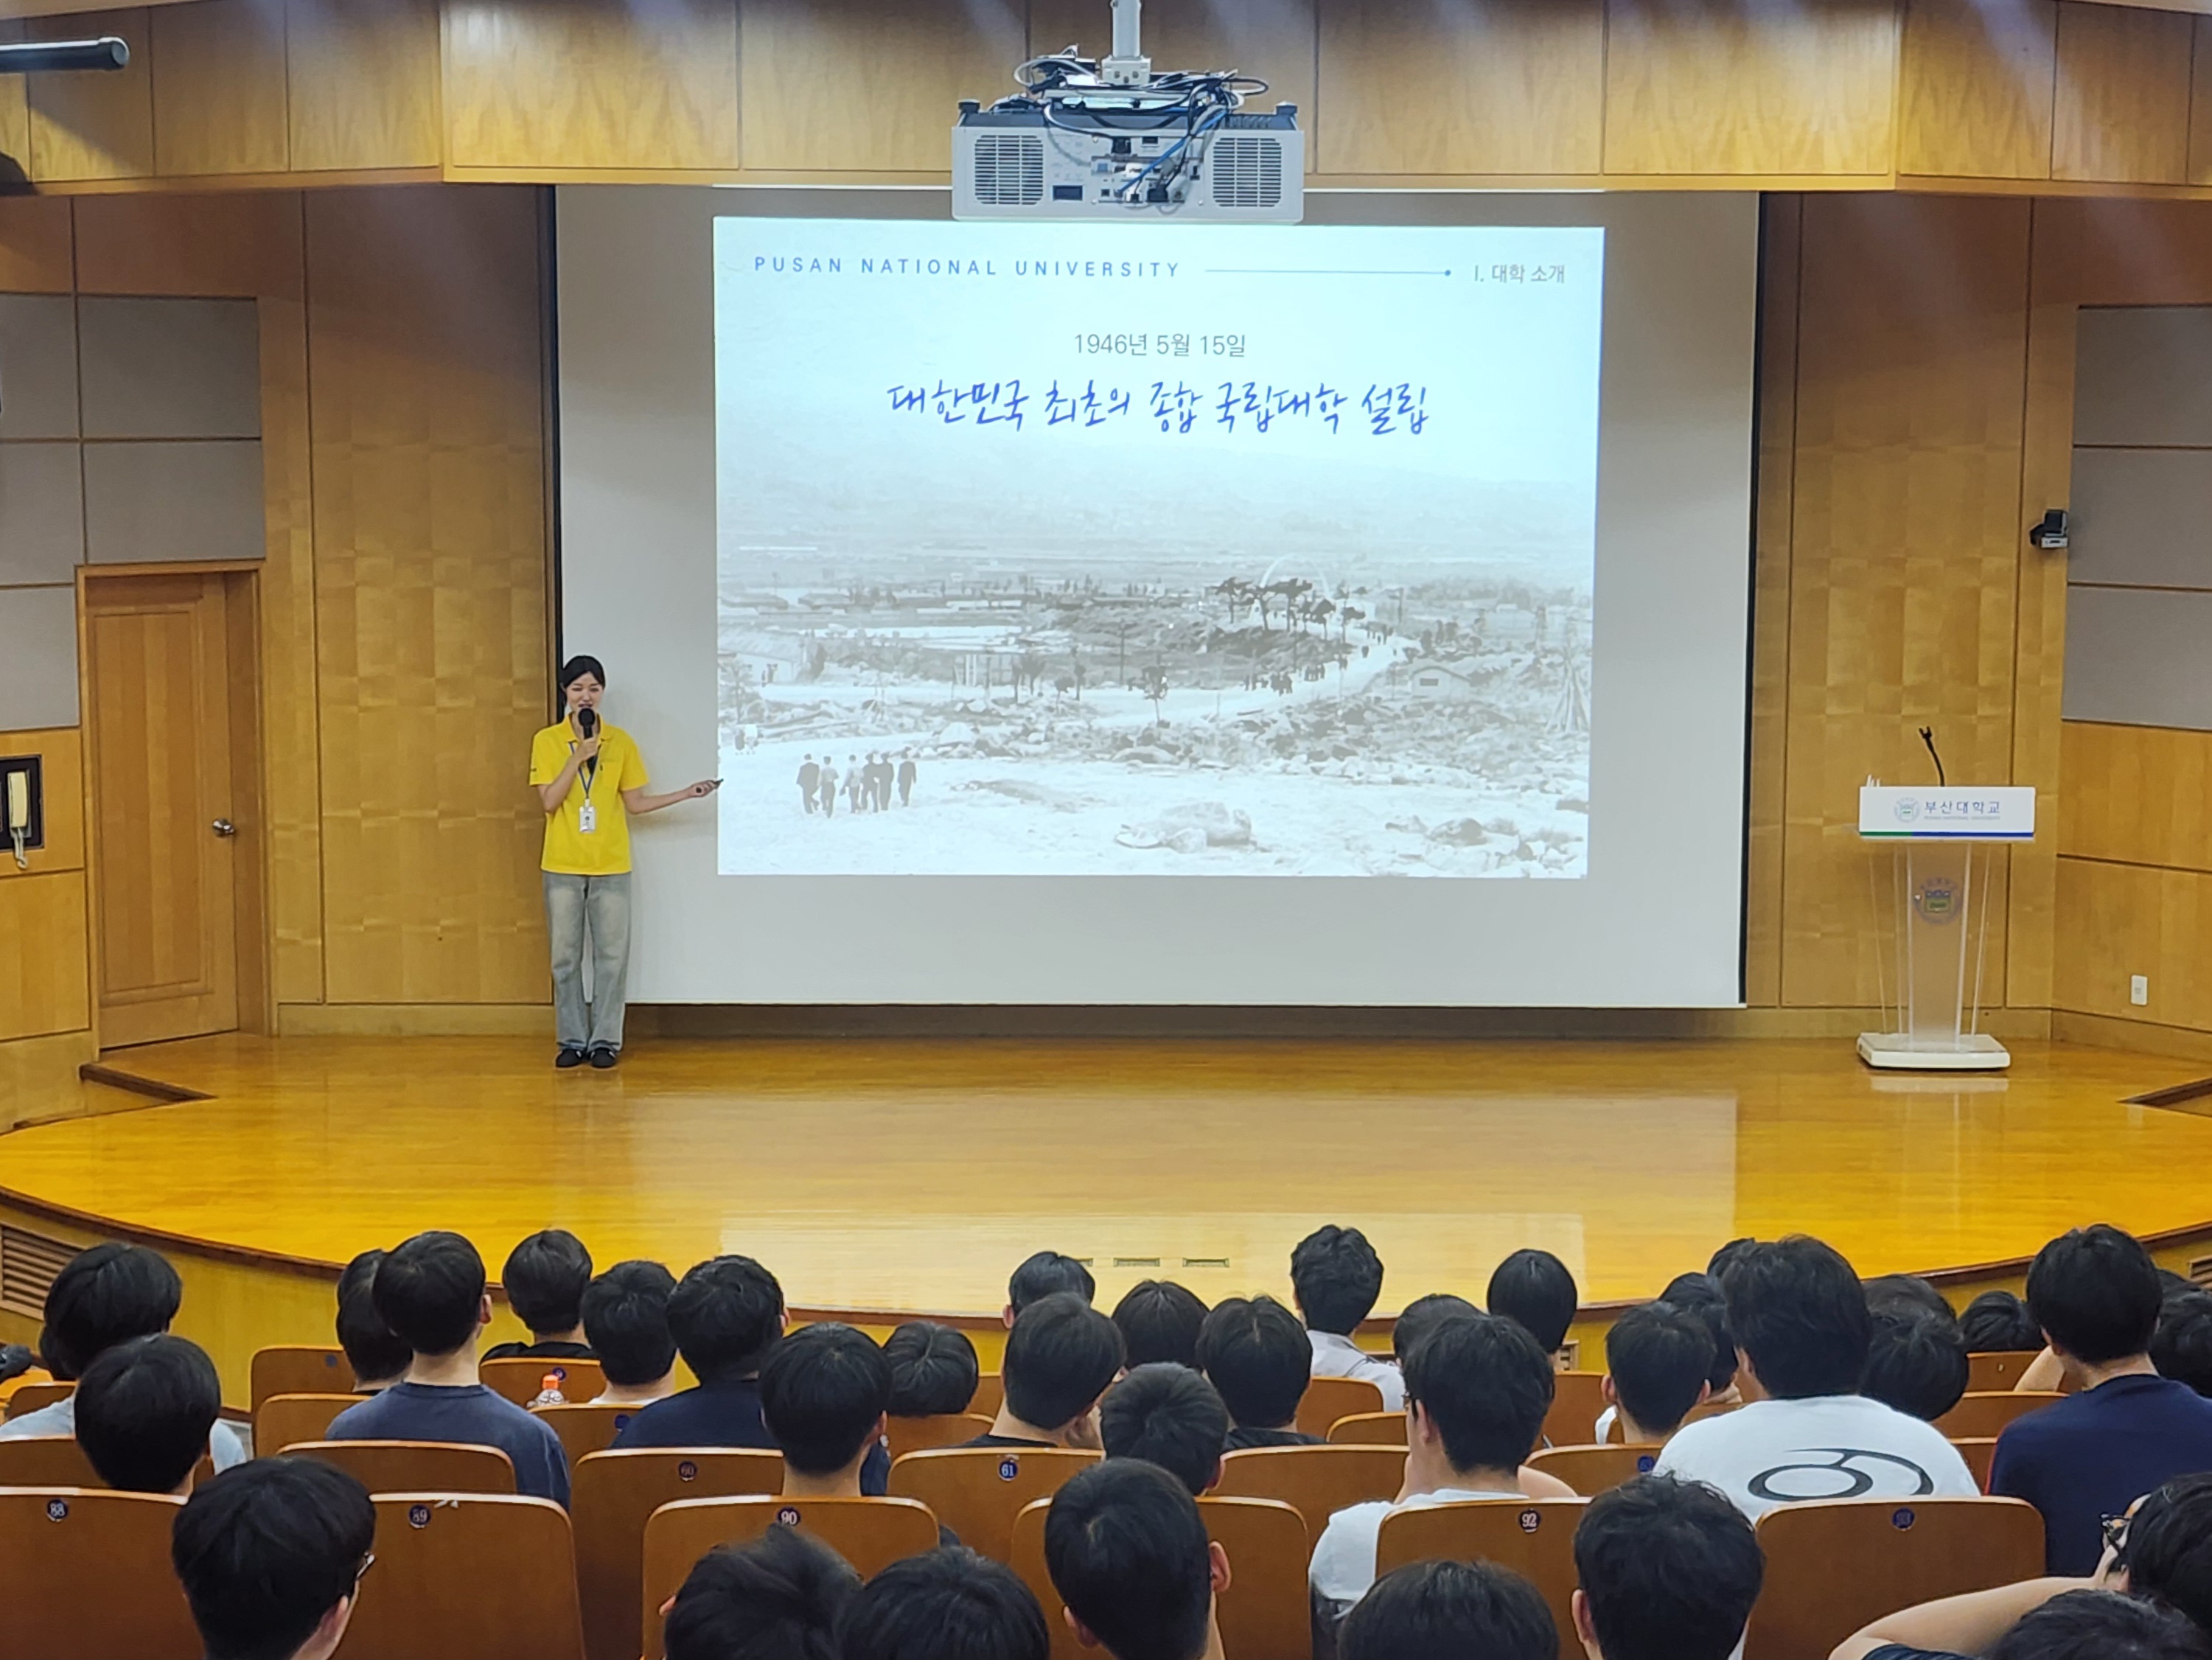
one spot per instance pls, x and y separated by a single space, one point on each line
587 815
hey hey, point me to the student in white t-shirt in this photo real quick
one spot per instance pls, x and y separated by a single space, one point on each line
1477 1390
1335 1277
1802 1329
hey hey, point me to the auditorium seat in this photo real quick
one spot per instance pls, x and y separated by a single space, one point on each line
1327 1399
1593 1469
611 1497
1534 1537
521 1378
415 1466
869 1533
1369 1429
297 1369
1976 1415
1979 1451
1834 1563
57 1460
1265 1614
1314 1481
584 1427
468 1576
29 1397
1997 1370
85 1575
944 1429
1578 1398
977 1491
282 1420
990 1395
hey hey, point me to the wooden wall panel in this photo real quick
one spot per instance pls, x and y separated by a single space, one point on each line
2142 252
92 126
2123 920
2137 795
1745 87
36 256
1911 354
430 599
15 117
573 83
242 245
363 75
1462 86
802 72
2200 104
1975 88
219 88
2122 111
42 955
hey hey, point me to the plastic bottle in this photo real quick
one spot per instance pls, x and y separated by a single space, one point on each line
548 1391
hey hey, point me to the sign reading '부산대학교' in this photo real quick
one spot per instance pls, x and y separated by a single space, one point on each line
1996 812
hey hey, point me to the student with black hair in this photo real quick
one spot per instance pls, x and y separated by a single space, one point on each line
430 1290
948 1604
1717 1266
1701 1294
933 1370
1668 1570
2181 1347
270 1556
1657 1360
1477 1390
2077 1623
1449 1611
1168 1414
1256 1354
1128 1553
544 1280
625 1315
825 1391
1062 1356
144 1408
1915 1362
1421 1317
1159 1321
775 1597
1045 1274
1335 1278
1537 1289
378 1355
1906 1293
1998 1322
1799 1315
2096 1296
590 779
105 1295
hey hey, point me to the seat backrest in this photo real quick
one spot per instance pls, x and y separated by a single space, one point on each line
1369 1429
298 1369
1265 1614
990 1395
871 1534
467 1576
1578 1398
46 1461
1591 1470
1834 1563
584 1428
415 1466
521 1378
944 1429
1327 1399
1979 1451
977 1491
1998 1369
611 1496
1534 1537
29 1397
1314 1481
1976 1415
85 1575
282 1420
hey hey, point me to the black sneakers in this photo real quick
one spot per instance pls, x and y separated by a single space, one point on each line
569 1057
603 1057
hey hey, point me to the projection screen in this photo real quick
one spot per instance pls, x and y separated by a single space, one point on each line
1346 613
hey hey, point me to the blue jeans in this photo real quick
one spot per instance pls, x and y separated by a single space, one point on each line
600 906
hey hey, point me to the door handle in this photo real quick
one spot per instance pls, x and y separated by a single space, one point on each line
223 827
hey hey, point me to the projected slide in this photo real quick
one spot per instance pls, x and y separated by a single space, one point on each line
1151 550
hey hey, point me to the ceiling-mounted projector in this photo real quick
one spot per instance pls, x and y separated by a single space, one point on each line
1100 138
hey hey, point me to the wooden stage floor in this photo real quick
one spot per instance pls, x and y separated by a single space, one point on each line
912 1176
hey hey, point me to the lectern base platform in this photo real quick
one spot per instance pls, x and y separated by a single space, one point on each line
1893 1051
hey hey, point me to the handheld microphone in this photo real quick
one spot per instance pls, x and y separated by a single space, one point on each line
587 722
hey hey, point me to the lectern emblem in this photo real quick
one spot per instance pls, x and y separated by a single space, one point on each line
1937 900
1907 810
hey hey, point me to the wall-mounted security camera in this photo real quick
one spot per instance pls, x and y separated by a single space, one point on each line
2051 534
44 56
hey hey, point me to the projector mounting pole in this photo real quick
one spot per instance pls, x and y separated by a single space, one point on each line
47 57
1127 66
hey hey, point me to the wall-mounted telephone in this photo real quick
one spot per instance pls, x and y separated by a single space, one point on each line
23 806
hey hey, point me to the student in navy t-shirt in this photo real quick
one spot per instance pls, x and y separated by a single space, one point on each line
2095 1293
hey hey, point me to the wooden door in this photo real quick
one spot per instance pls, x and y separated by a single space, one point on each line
159 680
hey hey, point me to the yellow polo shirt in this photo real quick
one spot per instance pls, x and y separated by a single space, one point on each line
569 850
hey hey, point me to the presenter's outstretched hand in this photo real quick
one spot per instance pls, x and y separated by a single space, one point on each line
704 787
